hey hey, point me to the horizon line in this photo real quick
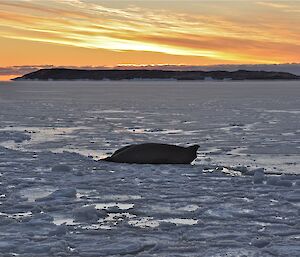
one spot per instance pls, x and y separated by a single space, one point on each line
9 72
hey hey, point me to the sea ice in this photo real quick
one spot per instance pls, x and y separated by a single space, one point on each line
241 196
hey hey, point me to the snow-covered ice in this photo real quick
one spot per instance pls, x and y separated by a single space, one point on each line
241 197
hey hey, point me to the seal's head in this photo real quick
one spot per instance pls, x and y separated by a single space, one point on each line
193 151
194 148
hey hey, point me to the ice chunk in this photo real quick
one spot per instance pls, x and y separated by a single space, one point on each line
88 213
113 209
242 169
60 231
288 177
123 248
7 245
272 181
276 181
260 243
259 176
285 183
65 192
22 137
40 219
61 168
32 249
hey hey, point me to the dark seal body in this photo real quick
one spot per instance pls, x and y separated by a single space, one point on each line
152 153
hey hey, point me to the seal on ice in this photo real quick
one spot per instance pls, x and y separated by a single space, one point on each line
153 153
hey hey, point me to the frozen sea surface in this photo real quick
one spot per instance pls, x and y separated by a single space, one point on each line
241 197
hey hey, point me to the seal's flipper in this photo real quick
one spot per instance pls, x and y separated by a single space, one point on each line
107 159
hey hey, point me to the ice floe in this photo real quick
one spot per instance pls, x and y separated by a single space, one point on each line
241 197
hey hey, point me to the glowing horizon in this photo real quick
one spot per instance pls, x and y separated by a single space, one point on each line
111 33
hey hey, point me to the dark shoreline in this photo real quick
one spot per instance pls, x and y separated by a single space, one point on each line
115 75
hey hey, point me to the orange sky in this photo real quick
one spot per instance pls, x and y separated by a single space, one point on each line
192 32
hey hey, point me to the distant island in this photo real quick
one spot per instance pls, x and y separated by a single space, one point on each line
116 74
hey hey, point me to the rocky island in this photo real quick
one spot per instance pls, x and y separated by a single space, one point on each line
115 74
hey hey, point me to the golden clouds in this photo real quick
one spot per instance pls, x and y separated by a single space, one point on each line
173 32
286 6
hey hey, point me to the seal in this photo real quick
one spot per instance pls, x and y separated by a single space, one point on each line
152 153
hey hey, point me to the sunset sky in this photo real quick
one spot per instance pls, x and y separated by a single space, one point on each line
109 33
